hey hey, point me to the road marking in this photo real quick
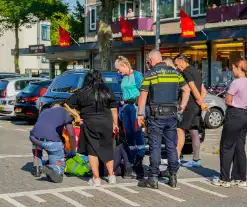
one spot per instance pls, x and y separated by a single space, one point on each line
88 195
3 156
1 126
128 189
12 201
22 130
121 198
204 190
68 200
36 198
167 195
165 184
207 182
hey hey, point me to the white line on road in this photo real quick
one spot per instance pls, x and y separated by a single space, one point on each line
88 195
204 190
166 184
36 198
12 201
128 189
167 195
2 156
121 198
68 200
21 130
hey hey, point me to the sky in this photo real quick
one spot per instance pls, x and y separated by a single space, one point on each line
72 3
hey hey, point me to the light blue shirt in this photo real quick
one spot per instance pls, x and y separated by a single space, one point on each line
131 85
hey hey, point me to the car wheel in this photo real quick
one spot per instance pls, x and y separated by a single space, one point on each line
213 118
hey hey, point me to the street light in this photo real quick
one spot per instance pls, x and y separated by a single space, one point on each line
157 36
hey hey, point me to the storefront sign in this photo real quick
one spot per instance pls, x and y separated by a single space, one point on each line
187 25
127 31
34 49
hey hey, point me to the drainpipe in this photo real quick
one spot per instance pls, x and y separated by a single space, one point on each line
157 36
85 21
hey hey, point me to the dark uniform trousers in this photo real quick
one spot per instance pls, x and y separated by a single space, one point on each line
163 127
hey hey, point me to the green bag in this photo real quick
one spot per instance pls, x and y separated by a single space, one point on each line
78 165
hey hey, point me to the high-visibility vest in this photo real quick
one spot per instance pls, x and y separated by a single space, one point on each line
78 165
66 138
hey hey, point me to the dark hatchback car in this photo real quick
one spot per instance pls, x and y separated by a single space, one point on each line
26 106
63 86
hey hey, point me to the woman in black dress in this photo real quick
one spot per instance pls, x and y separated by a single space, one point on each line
98 110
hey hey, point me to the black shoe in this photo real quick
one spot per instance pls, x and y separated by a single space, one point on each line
148 183
53 175
165 173
129 173
36 171
172 180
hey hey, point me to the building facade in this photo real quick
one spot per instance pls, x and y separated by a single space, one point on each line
219 24
38 34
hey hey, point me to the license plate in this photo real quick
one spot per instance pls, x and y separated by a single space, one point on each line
1 107
18 110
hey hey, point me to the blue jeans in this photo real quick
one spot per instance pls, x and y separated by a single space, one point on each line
158 129
55 151
133 132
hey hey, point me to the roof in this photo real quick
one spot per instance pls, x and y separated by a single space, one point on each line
23 78
42 82
86 70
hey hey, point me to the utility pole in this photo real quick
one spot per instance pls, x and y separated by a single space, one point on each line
157 37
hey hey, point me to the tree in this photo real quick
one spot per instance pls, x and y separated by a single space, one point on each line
15 14
105 32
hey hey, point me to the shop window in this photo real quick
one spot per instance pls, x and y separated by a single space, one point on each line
198 8
92 18
170 8
45 32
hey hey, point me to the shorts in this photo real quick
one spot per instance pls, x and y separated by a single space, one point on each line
191 118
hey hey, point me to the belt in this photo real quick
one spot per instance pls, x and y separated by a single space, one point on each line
159 110
44 140
130 101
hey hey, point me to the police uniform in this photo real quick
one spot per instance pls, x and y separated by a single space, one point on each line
163 84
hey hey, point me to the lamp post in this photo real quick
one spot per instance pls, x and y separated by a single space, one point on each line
157 36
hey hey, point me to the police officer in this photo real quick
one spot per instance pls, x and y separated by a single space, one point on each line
161 83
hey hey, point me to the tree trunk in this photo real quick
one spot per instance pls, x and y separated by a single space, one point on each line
105 42
16 57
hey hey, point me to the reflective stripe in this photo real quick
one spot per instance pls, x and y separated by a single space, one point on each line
74 167
140 146
164 80
146 83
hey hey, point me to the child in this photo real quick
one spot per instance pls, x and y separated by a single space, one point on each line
46 135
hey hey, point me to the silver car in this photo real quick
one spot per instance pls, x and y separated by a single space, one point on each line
9 88
214 117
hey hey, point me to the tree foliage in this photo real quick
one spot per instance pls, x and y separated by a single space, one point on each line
73 23
15 14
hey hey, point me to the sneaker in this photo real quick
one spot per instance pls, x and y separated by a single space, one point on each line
192 163
234 182
95 182
218 182
242 183
112 179
164 162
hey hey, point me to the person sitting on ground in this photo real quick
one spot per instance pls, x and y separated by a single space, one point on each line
47 135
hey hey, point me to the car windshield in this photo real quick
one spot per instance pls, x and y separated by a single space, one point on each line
3 84
30 88
113 83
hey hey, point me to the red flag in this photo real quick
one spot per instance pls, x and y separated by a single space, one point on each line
126 30
187 25
64 37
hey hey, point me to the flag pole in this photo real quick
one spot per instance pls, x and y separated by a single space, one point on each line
75 41
139 35
201 30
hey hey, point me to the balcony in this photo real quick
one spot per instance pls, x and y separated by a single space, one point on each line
227 13
138 23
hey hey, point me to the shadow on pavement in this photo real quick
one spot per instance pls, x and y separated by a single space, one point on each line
204 171
27 167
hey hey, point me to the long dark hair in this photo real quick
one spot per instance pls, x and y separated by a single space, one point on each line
96 88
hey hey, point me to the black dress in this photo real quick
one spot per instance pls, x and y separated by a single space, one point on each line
97 129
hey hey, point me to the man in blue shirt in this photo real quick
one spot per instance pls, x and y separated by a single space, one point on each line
47 135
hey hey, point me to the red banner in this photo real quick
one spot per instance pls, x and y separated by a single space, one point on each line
187 25
64 37
126 30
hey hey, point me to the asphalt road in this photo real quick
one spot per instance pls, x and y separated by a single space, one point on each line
20 189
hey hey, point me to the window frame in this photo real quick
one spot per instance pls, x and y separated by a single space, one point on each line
93 26
47 28
175 11
197 9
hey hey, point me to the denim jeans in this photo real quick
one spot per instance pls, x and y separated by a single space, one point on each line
133 131
55 151
158 129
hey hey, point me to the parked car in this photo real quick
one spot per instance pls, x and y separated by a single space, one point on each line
63 86
44 75
25 105
214 117
9 75
9 88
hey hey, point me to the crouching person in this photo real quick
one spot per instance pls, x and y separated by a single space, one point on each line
47 135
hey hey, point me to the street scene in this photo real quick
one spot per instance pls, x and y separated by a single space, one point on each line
20 188
123 103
